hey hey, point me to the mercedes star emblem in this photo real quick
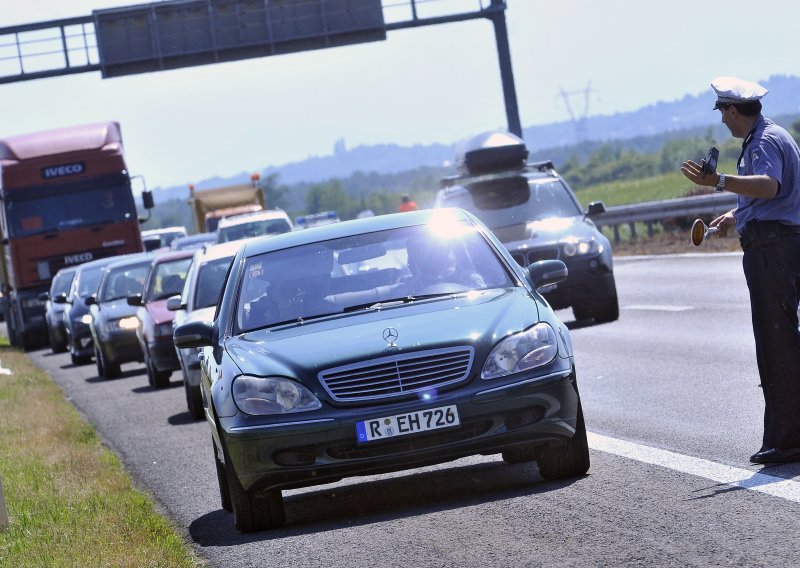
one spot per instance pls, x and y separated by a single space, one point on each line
390 336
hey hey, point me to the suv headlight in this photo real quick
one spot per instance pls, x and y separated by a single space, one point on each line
522 351
86 318
272 395
581 247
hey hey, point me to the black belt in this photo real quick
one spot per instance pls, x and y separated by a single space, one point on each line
765 231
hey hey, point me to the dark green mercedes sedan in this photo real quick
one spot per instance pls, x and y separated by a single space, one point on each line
381 344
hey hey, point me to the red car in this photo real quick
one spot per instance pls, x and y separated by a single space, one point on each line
165 279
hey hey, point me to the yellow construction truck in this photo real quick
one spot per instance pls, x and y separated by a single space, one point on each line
211 205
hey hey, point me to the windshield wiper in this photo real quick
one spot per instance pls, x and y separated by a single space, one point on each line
396 301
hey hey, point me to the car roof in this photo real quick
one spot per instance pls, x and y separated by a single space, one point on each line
265 244
138 258
100 262
220 250
253 216
163 231
169 255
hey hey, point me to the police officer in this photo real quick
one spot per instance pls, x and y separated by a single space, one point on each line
767 219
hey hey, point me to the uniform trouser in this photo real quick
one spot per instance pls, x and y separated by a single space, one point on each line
772 268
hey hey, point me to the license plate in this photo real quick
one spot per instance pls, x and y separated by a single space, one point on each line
409 423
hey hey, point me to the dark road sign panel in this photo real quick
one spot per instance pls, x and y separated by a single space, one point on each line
185 33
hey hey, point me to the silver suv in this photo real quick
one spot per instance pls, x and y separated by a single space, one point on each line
536 216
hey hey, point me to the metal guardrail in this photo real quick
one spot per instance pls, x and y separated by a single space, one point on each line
657 211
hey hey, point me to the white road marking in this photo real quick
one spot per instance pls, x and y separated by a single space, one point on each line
746 479
657 307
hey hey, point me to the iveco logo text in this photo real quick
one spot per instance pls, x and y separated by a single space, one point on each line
79 258
63 170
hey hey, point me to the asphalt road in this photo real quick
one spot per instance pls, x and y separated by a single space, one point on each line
677 373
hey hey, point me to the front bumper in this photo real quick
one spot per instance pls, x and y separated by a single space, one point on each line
80 339
162 354
589 279
121 347
305 450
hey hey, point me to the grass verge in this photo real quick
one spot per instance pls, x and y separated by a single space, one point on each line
70 502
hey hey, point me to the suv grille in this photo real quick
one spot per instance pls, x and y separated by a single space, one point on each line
527 258
398 375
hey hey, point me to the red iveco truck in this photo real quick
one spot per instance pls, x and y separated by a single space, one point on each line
65 199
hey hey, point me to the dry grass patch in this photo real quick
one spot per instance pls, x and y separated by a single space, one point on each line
69 500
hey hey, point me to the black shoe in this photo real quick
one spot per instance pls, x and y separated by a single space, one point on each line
776 455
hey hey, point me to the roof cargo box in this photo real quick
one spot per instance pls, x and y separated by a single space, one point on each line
490 152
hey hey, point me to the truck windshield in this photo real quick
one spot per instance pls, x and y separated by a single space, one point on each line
548 198
70 207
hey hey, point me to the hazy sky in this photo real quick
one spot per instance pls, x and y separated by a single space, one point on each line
432 84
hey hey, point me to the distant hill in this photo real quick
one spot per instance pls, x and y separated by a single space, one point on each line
550 140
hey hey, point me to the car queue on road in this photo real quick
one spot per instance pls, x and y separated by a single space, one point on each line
372 345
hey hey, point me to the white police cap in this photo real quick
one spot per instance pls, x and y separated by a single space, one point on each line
733 90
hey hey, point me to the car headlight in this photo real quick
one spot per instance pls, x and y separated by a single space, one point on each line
163 329
126 324
580 247
131 322
86 318
272 395
522 351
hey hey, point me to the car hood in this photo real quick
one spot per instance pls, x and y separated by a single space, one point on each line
116 309
479 320
159 312
545 232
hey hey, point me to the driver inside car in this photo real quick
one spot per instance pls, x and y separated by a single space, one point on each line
433 261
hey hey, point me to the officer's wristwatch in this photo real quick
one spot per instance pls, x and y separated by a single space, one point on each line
720 183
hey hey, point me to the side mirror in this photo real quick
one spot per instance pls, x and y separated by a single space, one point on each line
135 300
547 272
174 304
595 208
147 199
44 296
194 334
60 298
91 300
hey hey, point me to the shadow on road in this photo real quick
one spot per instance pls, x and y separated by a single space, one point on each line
182 418
148 388
317 511
122 375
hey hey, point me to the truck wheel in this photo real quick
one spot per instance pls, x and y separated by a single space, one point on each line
569 460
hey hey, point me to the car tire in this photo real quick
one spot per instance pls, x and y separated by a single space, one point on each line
157 379
520 454
605 312
55 346
254 512
106 369
222 481
79 359
568 460
194 400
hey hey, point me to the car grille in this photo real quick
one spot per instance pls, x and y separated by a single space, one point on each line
398 375
526 258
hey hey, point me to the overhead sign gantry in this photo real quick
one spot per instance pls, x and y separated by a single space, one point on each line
184 33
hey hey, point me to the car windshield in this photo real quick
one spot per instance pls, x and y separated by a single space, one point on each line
88 281
123 281
61 283
254 229
210 277
168 279
362 271
548 198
